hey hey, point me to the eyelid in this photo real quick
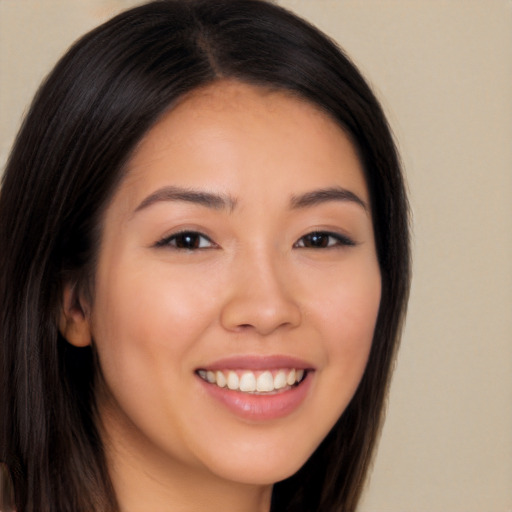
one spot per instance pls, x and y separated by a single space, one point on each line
166 241
342 240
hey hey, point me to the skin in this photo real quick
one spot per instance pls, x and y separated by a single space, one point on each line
255 286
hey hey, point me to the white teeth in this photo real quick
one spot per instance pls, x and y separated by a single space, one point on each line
290 379
280 380
221 380
250 382
265 382
233 380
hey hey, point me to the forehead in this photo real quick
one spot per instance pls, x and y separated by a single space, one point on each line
235 136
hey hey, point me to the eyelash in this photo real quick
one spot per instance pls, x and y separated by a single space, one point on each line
194 239
339 240
173 240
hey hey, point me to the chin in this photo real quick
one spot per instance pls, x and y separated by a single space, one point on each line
264 466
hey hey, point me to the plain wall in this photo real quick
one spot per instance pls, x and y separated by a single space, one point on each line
443 69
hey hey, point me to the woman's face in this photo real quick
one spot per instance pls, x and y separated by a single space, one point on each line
237 286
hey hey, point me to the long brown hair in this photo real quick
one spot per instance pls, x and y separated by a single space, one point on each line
98 102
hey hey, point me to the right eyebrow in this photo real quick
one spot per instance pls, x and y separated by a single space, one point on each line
324 195
172 193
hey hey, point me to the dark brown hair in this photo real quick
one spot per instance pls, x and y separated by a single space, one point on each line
96 105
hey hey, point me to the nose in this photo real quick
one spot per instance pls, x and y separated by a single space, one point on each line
261 298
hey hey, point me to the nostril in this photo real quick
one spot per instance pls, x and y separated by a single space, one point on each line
248 310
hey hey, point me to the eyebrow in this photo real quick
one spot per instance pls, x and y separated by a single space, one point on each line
225 202
207 199
324 195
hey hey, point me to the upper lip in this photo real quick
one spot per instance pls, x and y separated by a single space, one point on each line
258 362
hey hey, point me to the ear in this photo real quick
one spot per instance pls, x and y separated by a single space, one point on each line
74 321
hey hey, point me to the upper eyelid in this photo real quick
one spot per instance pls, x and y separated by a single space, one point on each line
340 237
162 242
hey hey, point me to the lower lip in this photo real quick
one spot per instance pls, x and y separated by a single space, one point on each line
265 407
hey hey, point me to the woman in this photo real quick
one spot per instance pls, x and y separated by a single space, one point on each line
204 269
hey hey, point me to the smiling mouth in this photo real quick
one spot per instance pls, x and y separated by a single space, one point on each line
254 382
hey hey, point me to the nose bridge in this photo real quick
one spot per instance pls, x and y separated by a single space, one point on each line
261 296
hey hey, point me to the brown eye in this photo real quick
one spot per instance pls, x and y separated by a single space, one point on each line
323 240
186 240
316 240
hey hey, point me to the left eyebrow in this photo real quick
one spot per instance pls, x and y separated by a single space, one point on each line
325 195
207 199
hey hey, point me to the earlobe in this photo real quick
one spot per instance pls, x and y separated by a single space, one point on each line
74 324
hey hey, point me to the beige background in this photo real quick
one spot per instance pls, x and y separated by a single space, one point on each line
443 70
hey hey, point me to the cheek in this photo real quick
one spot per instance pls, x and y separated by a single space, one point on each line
340 317
147 323
346 315
147 328
350 305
